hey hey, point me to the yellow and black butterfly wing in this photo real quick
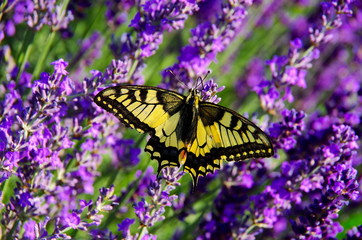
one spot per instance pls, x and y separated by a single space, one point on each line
140 107
148 109
184 131
223 134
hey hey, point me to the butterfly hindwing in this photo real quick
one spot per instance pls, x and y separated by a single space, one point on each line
166 156
223 134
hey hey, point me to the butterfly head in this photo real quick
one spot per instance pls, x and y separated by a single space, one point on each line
194 97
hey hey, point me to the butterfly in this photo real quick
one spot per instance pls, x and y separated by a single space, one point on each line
185 131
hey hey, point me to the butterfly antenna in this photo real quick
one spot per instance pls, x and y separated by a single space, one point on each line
174 75
202 79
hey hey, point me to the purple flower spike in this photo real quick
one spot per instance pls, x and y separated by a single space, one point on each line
37 142
209 91
158 191
117 11
69 171
208 39
73 220
354 233
30 228
285 132
124 227
291 70
35 15
153 19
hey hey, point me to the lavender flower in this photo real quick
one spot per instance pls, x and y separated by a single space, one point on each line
150 212
68 170
154 17
36 14
354 233
33 139
116 13
303 174
285 132
208 39
124 227
290 70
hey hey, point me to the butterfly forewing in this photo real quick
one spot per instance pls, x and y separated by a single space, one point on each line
240 138
140 107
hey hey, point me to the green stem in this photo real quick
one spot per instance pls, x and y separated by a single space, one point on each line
133 69
44 54
2 7
247 231
25 51
10 234
142 233
49 42
63 11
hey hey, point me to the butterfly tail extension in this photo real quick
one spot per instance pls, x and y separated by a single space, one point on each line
200 160
195 180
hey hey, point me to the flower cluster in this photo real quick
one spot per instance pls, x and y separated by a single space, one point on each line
284 133
318 177
116 13
154 18
302 190
36 145
68 170
329 192
291 70
209 90
150 212
207 40
36 14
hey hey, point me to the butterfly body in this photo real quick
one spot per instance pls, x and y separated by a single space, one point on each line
185 131
186 127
